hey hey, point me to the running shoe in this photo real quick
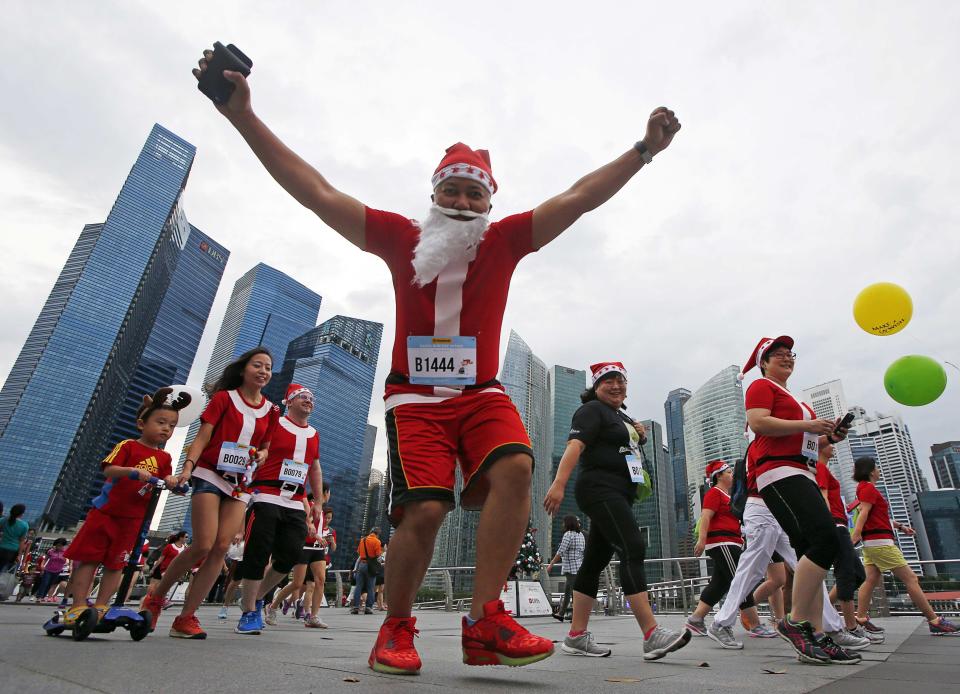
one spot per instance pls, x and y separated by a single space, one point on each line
394 652
367 610
154 605
187 627
223 613
874 638
286 607
354 610
258 608
314 622
848 641
724 636
800 636
870 626
944 627
497 639
584 644
557 616
838 656
663 641
696 626
249 623
298 613
762 631
270 615
167 603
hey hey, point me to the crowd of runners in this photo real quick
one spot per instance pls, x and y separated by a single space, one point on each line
255 474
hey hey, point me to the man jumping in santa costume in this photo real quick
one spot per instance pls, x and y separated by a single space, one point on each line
451 274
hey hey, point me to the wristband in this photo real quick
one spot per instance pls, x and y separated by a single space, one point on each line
643 151
134 475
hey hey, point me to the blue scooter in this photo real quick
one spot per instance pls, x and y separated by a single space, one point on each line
137 624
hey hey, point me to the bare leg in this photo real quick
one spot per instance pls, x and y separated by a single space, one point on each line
319 569
911 582
582 607
108 585
866 590
411 549
288 590
640 606
807 598
503 521
81 580
230 520
252 589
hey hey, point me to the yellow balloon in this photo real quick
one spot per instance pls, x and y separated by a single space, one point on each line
883 308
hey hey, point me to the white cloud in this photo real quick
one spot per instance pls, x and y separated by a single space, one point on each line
817 156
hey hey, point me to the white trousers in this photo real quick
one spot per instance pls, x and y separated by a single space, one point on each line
764 536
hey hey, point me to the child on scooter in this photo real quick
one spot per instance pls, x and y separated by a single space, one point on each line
110 530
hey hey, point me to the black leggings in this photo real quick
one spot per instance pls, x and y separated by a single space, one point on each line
612 529
847 569
725 558
798 506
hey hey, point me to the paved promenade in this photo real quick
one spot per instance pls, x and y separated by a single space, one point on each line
291 658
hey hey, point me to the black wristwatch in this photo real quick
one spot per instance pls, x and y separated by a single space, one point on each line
644 151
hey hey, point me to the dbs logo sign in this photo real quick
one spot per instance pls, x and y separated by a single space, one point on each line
212 252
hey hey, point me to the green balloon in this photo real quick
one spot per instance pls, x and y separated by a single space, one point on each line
915 380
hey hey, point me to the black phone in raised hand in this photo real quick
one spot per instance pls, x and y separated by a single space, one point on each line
212 82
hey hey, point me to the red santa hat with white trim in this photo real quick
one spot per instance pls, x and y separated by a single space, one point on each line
756 357
598 371
462 162
293 390
715 467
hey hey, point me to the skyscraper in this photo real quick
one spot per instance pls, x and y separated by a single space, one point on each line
267 308
673 412
655 514
829 402
337 360
86 344
524 378
564 387
945 460
173 342
714 422
940 515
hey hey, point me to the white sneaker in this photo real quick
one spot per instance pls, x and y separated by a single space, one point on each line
312 622
848 641
223 612
270 615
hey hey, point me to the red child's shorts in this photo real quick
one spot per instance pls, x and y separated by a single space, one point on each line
104 539
427 440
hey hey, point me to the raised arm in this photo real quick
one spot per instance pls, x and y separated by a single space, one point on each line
339 211
553 217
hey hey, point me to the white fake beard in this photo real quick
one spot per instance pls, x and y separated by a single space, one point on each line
443 238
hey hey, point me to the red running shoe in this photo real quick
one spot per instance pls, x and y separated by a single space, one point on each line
187 627
497 639
153 604
394 653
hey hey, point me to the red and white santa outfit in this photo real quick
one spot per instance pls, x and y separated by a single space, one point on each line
453 323
276 525
238 426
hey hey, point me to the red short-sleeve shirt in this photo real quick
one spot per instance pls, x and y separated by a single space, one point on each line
288 441
877 530
724 526
466 299
767 395
827 482
122 497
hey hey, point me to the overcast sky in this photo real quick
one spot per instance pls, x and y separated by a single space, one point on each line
818 155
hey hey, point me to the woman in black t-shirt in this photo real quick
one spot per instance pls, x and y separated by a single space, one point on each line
606 442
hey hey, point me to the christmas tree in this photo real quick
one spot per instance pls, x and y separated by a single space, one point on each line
528 558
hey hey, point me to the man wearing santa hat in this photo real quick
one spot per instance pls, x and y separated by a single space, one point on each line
277 520
451 275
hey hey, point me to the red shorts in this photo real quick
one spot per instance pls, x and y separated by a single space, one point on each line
104 539
427 440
